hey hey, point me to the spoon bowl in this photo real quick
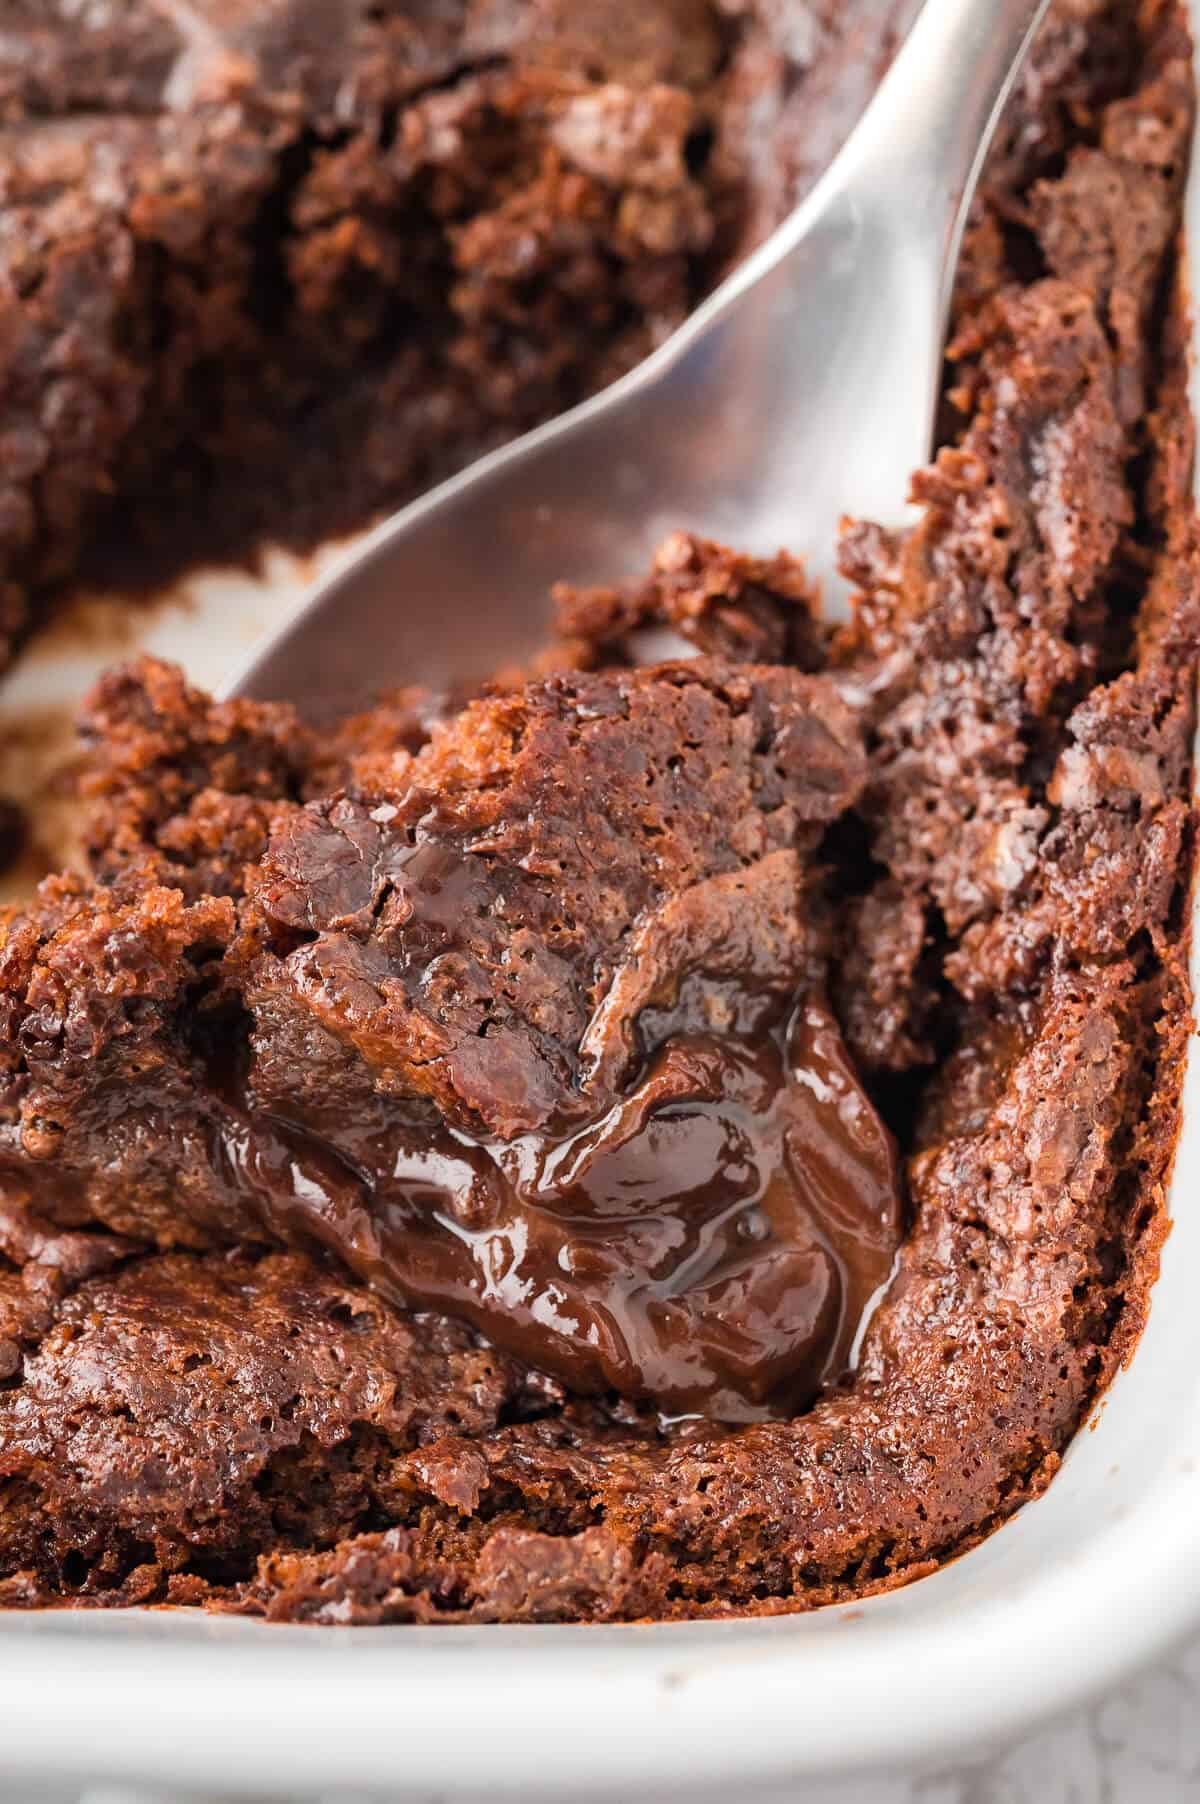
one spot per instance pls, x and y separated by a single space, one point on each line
802 390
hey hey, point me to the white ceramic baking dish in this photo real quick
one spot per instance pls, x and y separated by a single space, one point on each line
1080 1587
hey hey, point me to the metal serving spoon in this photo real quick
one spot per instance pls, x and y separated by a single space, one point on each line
802 389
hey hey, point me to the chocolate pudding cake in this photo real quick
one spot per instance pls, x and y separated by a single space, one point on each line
640 1141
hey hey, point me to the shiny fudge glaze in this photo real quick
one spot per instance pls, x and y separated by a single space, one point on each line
711 1242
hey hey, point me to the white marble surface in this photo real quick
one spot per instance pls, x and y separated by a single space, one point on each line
1139 1745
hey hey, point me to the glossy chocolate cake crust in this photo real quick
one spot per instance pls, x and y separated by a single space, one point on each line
652 1142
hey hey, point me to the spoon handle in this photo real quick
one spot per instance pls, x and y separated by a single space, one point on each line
915 156
840 317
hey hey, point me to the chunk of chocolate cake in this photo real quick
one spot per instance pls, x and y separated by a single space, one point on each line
538 1036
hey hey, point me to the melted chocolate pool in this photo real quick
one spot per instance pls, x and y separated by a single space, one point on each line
710 1242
